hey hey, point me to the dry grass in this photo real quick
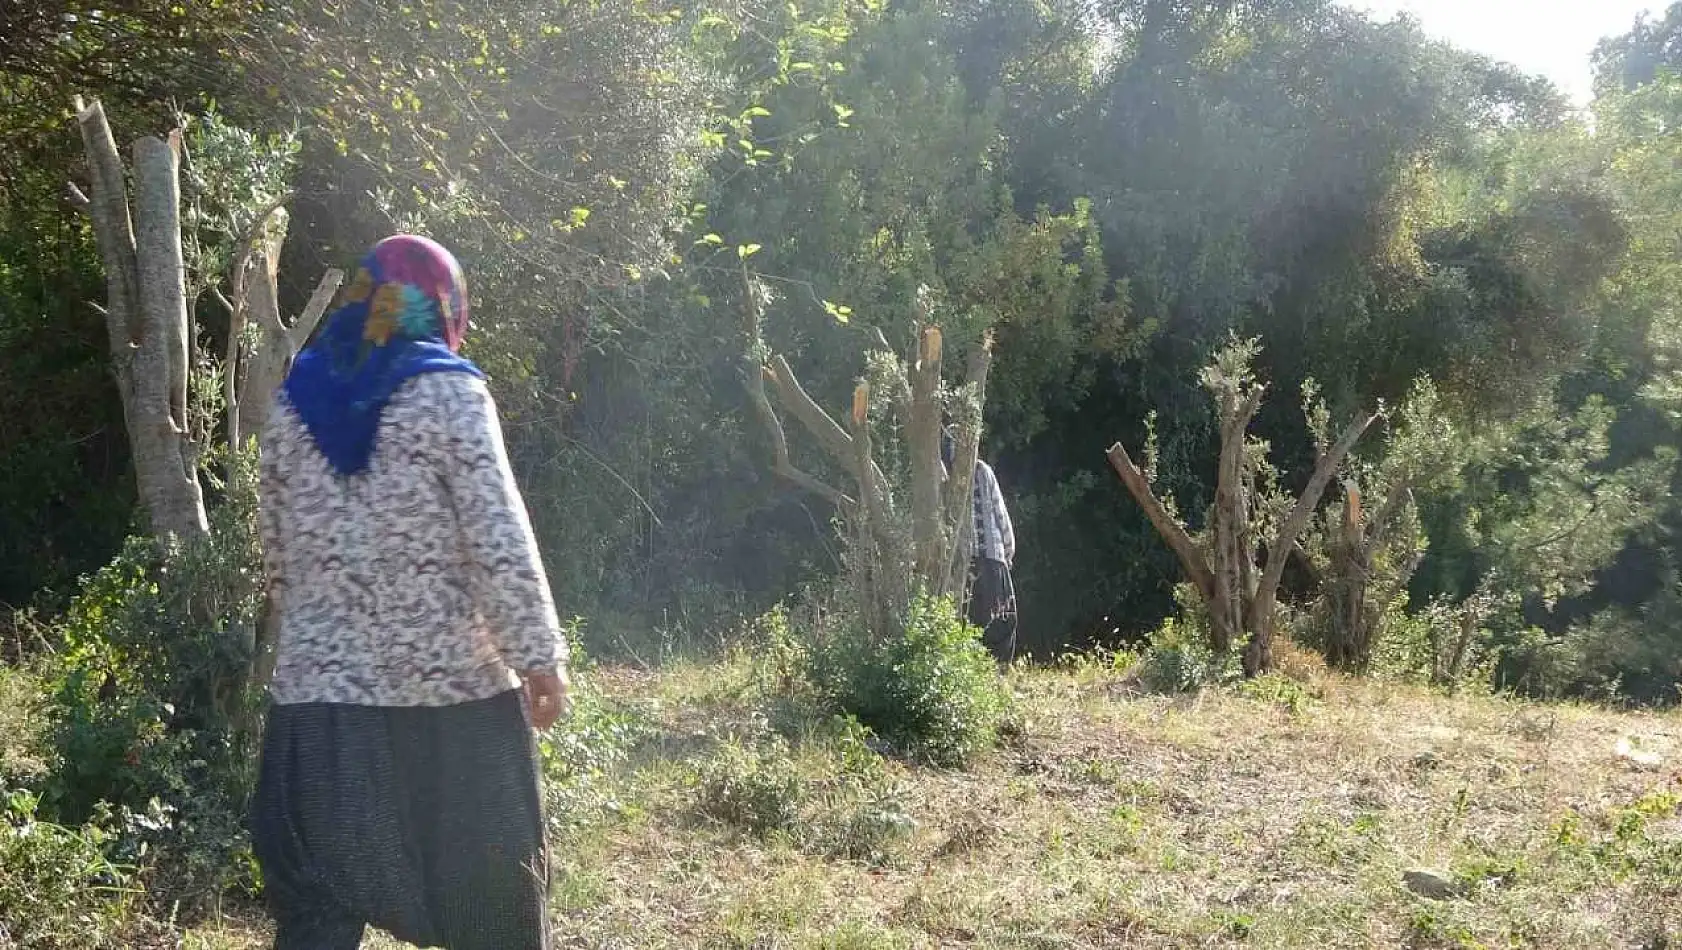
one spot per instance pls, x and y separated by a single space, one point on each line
1277 815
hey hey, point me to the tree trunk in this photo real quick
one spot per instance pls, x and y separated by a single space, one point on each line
271 345
146 318
1239 595
1234 569
960 486
1258 656
888 563
923 439
1349 576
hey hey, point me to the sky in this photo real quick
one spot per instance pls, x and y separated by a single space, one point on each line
1550 37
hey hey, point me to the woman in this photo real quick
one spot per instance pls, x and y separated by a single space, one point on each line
992 603
399 783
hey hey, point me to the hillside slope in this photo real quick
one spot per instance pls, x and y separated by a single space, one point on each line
1276 815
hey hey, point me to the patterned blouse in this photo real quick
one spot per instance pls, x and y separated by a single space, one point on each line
417 582
996 538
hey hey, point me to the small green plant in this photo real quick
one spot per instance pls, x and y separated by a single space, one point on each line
1180 661
581 752
57 887
751 788
934 692
1278 690
149 707
861 812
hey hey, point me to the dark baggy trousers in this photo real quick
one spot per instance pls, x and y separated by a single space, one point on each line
992 607
426 822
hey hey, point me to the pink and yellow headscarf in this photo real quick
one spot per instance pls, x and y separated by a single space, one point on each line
403 314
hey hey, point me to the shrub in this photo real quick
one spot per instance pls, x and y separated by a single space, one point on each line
1180 660
756 789
1279 690
149 707
58 890
1432 646
582 750
933 692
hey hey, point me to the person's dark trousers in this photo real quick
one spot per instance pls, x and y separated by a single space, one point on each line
992 607
318 933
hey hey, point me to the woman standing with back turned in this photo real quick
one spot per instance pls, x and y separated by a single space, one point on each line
417 643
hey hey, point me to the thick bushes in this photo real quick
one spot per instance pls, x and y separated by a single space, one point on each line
934 692
148 712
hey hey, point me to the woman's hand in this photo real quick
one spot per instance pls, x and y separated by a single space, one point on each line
546 696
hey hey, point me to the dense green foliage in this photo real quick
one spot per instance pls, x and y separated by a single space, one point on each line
932 692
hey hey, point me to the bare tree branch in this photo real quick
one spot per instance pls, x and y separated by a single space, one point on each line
1192 560
77 198
314 310
754 375
1297 521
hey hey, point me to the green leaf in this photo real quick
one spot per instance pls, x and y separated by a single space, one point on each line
712 239
745 251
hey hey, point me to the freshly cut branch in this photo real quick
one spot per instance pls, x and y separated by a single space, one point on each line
1138 484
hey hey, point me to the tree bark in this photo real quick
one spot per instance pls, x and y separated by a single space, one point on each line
1258 656
929 541
147 321
1234 569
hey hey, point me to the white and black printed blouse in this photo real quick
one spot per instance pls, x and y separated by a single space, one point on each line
416 582
995 537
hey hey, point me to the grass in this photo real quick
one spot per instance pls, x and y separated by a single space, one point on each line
1275 815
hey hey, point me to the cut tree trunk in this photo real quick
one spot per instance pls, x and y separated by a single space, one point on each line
960 487
146 317
923 436
270 345
1239 595
890 564
1258 655
1353 609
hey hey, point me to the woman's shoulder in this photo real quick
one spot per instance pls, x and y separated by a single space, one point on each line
444 389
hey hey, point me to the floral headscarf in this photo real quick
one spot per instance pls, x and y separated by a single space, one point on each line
404 314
